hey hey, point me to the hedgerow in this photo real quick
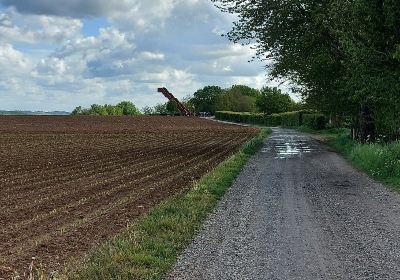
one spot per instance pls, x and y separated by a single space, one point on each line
290 119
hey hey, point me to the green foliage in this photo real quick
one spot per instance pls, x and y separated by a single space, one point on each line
147 110
344 56
149 248
272 100
238 98
125 108
244 90
128 108
315 121
235 101
77 111
380 160
204 99
172 107
240 117
290 119
160 109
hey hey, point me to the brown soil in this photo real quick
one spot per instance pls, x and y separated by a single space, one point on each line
69 183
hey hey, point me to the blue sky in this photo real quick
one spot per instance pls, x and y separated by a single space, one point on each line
56 55
92 25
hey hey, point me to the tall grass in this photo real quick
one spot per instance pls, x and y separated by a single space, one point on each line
379 160
382 161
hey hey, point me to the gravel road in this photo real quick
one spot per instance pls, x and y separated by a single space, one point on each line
298 211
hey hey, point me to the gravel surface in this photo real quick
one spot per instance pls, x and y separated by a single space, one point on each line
298 211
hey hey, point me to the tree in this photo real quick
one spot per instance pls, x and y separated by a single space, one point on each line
128 108
368 33
204 100
161 109
98 110
237 99
113 110
147 110
187 102
77 111
272 100
172 107
245 90
342 55
124 108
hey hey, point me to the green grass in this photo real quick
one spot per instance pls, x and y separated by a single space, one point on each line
149 248
381 161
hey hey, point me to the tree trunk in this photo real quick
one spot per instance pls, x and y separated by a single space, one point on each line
367 132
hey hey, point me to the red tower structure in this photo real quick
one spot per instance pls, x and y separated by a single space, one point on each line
182 108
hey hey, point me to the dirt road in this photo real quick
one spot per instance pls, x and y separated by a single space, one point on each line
298 211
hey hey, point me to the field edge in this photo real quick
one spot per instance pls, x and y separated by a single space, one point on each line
149 248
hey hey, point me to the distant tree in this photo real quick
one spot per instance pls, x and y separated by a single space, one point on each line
245 90
187 102
172 107
128 108
123 108
204 99
147 110
238 98
114 110
160 109
77 111
272 100
98 110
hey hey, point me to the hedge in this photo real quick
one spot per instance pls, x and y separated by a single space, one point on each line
315 121
297 118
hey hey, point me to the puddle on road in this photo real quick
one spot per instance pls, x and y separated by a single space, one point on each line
290 146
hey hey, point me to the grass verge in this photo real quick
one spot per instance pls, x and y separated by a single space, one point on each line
381 161
149 248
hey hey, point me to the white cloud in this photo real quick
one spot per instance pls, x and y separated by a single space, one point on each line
13 62
15 27
152 56
148 44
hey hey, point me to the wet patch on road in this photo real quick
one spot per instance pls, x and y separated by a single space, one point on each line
286 146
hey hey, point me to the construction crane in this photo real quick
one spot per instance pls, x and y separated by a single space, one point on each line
182 108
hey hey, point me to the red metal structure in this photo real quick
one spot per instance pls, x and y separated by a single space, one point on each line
184 111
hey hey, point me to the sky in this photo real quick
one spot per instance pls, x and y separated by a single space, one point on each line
56 55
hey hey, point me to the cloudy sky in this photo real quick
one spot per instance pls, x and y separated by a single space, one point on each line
56 55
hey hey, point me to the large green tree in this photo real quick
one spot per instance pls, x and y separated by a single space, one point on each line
128 108
238 98
204 99
273 100
343 56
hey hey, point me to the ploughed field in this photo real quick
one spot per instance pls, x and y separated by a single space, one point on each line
68 183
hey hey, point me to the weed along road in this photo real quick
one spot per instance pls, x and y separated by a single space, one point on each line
298 211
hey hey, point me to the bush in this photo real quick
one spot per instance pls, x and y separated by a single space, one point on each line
272 120
240 117
315 121
289 119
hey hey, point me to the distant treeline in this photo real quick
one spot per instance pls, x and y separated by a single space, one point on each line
210 99
124 108
305 118
238 98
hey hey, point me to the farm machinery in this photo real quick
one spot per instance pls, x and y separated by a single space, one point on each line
182 108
